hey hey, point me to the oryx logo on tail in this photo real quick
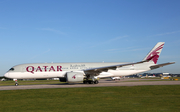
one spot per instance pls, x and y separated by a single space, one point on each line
153 55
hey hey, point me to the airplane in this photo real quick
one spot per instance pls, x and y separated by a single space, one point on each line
115 78
86 72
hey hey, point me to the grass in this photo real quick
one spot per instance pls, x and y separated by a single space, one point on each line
105 99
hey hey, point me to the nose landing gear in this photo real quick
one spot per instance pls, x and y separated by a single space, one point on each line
16 82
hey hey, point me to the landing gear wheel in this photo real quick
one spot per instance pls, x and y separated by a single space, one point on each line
96 82
90 82
16 84
85 82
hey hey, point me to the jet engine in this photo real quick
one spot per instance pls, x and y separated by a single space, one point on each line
72 77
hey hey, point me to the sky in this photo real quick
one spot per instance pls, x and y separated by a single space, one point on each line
35 31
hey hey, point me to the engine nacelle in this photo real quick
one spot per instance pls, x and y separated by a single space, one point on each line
74 76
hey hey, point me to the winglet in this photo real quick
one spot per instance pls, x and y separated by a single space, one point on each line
154 54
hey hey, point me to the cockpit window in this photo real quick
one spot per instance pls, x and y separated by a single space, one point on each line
12 69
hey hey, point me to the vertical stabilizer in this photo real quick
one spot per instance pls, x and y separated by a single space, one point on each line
154 54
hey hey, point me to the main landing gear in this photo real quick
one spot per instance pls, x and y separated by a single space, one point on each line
90 82
89 79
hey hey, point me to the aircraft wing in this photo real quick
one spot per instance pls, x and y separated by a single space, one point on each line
113 67
161 65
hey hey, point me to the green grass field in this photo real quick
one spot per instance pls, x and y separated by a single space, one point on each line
105 99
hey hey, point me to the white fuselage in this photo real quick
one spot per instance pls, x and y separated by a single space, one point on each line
56 70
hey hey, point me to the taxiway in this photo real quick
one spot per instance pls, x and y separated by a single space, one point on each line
102 83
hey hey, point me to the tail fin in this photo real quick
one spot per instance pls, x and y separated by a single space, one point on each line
153 55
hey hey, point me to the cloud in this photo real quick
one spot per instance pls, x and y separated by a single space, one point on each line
52 30
127 49
41 53
110 41
139 49
115 39
167 33
112 50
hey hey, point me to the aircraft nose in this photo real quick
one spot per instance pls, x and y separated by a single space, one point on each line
6 74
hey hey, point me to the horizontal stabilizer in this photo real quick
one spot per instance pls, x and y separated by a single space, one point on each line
161 65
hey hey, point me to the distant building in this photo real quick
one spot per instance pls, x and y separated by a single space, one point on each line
158 75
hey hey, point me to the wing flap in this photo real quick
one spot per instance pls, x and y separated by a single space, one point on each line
161 65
